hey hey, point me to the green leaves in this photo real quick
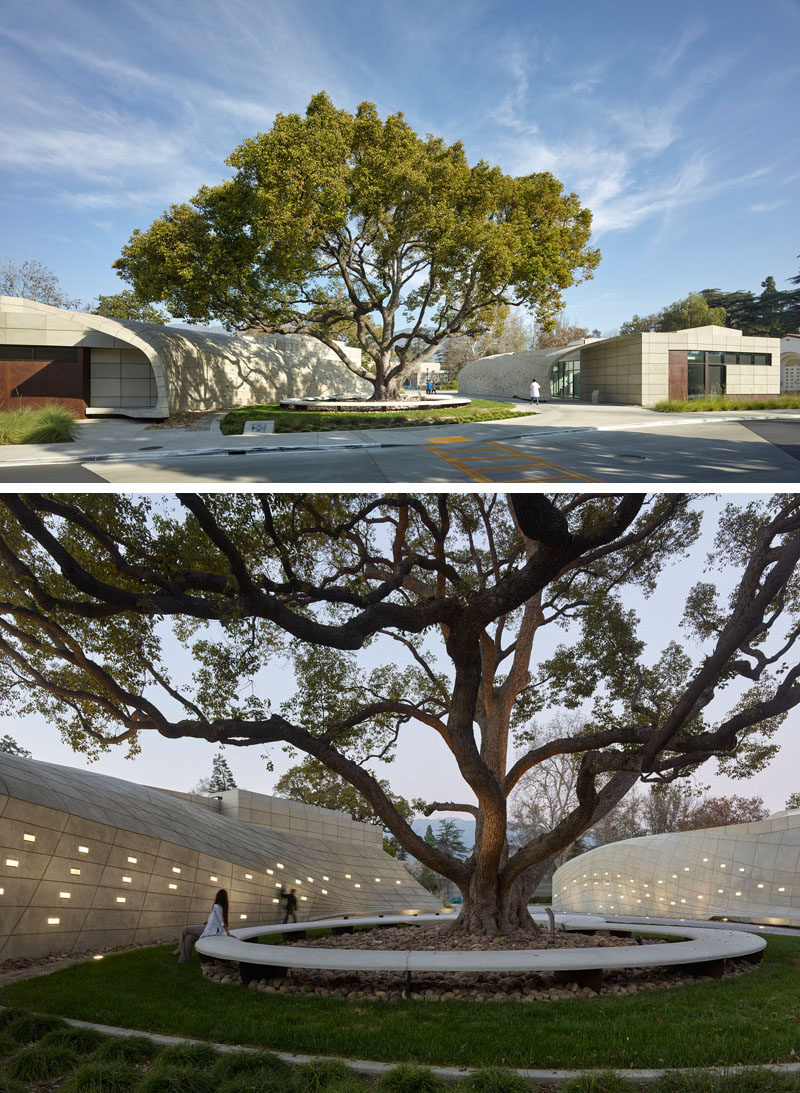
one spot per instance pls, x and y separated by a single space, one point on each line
336 225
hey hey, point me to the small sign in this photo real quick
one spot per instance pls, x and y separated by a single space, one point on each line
259 427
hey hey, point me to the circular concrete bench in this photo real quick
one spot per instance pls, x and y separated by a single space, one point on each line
423 402
699 952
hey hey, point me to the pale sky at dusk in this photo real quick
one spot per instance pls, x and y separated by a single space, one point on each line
673 122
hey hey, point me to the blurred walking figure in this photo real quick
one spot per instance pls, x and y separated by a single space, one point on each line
291 905
535 392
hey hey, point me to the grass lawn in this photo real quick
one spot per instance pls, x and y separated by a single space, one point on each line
302 421
750 1019
47 425
671 406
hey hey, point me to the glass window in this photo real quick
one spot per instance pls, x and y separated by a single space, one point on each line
717 379
762 358
716 358
696 384
696 355
54 353
16 353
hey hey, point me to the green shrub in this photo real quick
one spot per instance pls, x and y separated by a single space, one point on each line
50 424
176 1079
133 1050
495 1079
231 1064
9 1014
607 1082
410 1079
101 1077
40 1063
7 1085
758 1081
697 1082
320 1074
187 1055
82 1040
29 1027
263 1080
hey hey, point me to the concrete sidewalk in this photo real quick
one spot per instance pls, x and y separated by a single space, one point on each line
126 439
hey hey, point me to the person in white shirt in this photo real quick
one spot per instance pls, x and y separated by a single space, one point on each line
535 391
217 924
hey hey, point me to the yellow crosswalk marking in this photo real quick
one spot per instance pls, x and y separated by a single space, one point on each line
491 461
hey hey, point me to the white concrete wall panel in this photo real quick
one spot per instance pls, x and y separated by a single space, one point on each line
744 871
189 369
90 861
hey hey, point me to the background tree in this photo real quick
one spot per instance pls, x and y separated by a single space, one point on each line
32 280
92 585
562 334
793 801
335 220
691 312
721 811
646 324
9 745
508 334
127 305
220 779
312 783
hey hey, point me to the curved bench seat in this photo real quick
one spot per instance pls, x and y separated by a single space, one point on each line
699 949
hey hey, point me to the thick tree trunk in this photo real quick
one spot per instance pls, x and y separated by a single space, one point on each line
385 390
489 911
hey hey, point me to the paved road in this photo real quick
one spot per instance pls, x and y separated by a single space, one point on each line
724 452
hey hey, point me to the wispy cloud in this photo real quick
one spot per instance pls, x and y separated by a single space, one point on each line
765 206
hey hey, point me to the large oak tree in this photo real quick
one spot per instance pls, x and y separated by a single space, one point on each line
451 593
344 226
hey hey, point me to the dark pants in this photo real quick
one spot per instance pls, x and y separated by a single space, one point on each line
188 937
289 915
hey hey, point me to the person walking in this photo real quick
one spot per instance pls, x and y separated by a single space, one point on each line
291 905
217 923
535 392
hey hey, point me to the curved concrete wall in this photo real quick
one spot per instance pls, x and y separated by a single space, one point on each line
145 370
744 871
510 374
88 861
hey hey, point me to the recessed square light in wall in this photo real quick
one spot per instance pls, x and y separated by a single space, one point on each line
74 872
176 869
120 899
214 879
132 861
126 880
63 895
271 872
324 891
242 916
53 921
173 886
279 865
83 849
12 863
324 877
248 876
29 838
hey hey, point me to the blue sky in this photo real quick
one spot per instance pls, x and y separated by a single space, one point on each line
674 123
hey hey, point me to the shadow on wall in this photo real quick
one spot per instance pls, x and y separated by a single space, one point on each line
205 371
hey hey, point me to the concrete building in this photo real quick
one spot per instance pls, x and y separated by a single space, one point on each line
748 872
636 369
96 365
88 861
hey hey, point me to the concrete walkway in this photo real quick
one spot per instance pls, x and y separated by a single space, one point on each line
118 438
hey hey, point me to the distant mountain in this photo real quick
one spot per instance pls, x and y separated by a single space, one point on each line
466 827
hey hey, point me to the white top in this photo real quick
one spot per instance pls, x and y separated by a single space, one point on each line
216 922
535 389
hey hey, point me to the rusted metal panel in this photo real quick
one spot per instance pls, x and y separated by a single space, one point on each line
38 383
678 375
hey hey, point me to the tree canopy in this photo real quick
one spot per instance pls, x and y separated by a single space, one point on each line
450 595
127 305
345 226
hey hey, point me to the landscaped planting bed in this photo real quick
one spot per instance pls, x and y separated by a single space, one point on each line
750 1019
